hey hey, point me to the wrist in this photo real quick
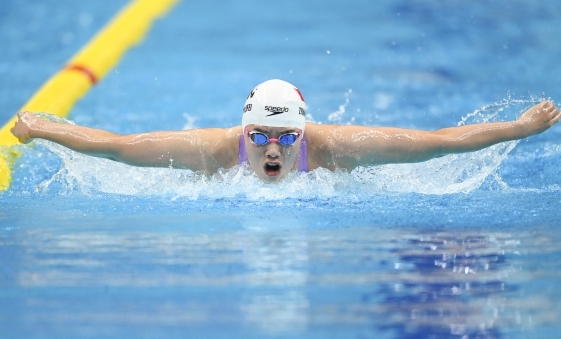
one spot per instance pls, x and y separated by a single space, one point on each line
523 129
37 128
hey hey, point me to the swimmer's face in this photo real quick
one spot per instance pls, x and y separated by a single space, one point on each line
273 161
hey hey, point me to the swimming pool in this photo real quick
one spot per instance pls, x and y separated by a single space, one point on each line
463 246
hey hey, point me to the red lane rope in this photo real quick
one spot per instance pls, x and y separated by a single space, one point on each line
84 70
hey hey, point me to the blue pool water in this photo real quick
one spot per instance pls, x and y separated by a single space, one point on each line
463 246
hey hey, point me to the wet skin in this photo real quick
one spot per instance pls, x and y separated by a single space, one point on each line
273 161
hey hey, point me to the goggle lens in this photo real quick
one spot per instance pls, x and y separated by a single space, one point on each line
258 138
288 139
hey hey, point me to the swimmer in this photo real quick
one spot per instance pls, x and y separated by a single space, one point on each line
275 139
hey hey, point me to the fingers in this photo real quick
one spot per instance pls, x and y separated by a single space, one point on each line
546 107
549 113
555 119
23 114
556 115
546 104
21 129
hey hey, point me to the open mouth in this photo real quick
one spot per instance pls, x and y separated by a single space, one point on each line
272 169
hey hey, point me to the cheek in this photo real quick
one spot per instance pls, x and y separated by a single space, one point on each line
250 150
253 154
291 154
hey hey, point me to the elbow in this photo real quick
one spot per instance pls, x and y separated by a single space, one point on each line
436 149
115 149
121 154
118 150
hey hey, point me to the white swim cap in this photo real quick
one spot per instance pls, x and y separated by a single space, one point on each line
275 103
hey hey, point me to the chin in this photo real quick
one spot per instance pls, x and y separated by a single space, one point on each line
269 179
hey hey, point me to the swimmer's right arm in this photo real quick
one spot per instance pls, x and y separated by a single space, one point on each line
197 149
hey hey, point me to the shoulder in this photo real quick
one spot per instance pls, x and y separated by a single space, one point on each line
325 132
327 136
214 147
321 143
339 146
223 144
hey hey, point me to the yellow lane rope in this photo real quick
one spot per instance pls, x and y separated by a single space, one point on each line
58 95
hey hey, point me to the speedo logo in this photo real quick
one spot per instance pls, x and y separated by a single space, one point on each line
276 110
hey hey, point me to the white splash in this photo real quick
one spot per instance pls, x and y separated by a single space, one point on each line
190 124
457 173
337 116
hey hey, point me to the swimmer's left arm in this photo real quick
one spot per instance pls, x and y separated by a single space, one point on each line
351 146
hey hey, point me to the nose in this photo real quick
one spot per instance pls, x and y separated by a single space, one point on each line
273 150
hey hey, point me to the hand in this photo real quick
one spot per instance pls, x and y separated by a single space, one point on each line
23 126
540 117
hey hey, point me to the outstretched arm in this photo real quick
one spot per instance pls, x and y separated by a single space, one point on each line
197 149
351 146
